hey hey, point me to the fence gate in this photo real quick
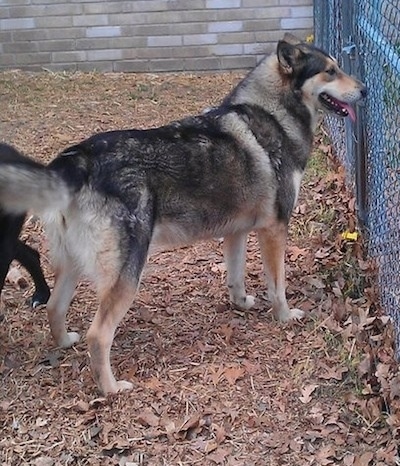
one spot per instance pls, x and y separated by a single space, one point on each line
365 37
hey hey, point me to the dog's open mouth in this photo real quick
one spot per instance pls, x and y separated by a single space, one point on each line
336 106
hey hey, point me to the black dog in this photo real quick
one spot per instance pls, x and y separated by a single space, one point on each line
13 248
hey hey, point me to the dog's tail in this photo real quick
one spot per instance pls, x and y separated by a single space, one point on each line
28 185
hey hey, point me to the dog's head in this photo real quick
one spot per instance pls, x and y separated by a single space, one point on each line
317 76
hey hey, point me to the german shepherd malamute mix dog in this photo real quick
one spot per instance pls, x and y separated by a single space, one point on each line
110 199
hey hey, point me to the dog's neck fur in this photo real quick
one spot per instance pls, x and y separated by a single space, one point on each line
265 85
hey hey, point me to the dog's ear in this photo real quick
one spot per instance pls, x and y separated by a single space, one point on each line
291 39
288 56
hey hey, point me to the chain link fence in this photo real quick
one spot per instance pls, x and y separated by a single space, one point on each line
365 38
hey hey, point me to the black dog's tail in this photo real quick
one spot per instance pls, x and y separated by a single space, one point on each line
29 185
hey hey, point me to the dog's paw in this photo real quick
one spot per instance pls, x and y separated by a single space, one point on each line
291 314
39 298
114 386
244 303
69 340
123 385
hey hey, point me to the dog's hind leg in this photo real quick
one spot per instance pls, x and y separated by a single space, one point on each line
65 283
234 248
273 244
114 304
30 259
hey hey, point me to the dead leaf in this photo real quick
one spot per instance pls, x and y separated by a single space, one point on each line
5 404
326 455
81 406
335 373
227 332
220 433
216 374
189 423
219 456
294 252
44 461
232 374
40 422
148 418
348 460
364 459
306 393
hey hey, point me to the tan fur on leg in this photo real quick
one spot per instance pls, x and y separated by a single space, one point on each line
114 304
273 243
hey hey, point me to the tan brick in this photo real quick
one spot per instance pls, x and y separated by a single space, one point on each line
7 60
112 43
28 35
186 4
240 62
20 47
87 66
68 57
260 3
253 13
202 64
104 55
6 36
56 45
261 25
17 23
171 64
61 9
227 49
296 2
53 21
131 66
236 38
296 23
199 39
164 41
4 12
163 29
90 20
268 36
15 2
163 52
33 58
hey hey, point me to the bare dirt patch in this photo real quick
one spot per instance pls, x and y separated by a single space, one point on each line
212 386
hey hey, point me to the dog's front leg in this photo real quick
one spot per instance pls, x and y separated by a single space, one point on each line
273 244
235 261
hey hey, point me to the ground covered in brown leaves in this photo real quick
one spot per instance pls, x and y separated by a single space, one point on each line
212 386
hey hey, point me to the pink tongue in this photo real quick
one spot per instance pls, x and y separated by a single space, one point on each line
350 109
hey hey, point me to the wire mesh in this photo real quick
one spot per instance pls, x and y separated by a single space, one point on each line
371 29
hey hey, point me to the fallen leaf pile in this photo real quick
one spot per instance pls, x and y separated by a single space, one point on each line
212 385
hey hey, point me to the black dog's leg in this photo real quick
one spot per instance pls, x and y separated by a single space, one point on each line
30 259
6 255
12 248
10 228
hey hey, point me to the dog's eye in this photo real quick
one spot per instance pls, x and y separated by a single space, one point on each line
331 71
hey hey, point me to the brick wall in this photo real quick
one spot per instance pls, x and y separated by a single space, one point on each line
145 35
